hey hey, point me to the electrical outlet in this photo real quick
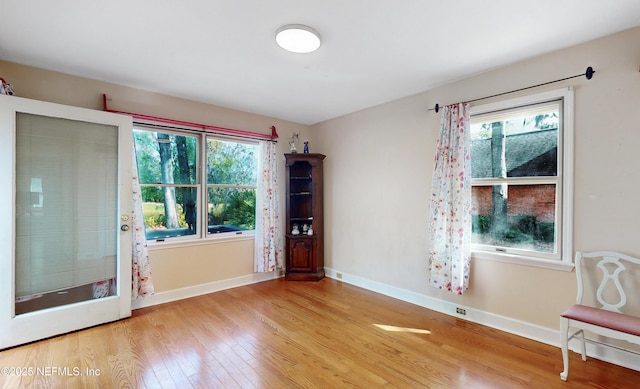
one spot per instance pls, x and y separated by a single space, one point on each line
339 275
461 311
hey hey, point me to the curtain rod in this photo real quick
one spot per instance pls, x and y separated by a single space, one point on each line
588 74
204 127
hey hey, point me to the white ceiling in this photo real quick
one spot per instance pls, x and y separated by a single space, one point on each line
223 52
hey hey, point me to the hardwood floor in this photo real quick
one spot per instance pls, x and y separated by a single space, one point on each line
281 334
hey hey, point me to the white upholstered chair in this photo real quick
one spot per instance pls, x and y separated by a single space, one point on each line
607 305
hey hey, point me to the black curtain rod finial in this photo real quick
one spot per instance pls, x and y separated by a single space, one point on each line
589 73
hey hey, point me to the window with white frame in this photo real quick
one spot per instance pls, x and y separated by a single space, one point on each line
232 179
195 185
521 164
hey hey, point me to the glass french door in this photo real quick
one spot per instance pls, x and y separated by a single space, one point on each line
65 201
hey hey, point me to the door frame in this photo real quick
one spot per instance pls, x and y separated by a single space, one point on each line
40 324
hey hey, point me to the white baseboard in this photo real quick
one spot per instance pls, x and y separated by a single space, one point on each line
517 327
198 290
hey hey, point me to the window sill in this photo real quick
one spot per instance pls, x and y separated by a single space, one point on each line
226 238
526 261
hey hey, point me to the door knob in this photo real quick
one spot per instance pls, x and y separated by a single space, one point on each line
124 227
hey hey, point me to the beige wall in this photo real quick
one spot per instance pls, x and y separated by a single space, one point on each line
378 175
172 268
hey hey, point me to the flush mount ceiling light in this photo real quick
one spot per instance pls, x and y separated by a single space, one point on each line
298 38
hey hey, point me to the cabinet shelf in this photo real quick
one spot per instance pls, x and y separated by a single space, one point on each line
302 219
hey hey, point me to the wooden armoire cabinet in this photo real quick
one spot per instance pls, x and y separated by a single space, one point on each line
304 238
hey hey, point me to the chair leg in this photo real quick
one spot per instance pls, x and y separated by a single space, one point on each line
564 344
583 346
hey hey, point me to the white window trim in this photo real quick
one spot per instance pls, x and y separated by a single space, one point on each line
226 238
566 167
203 237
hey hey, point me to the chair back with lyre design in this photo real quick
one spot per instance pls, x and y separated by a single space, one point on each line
608 280
607 306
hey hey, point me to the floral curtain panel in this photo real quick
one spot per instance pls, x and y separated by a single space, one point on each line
268 238
450 224
142 284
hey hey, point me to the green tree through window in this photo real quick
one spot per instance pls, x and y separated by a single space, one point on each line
171 183
231 184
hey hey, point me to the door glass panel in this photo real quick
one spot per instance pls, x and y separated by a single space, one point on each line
66 211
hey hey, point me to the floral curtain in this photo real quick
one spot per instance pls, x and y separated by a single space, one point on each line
141 284
268 238
450 224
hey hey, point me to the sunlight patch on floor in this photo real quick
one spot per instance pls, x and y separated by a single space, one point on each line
402 329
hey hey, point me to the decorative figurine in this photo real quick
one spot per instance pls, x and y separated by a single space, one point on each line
292 143
6 88
295 230
305 228
306 147
310 230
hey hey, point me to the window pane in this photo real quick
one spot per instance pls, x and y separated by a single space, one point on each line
231 209
169 211
166 158
515 216
516 144
231 163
